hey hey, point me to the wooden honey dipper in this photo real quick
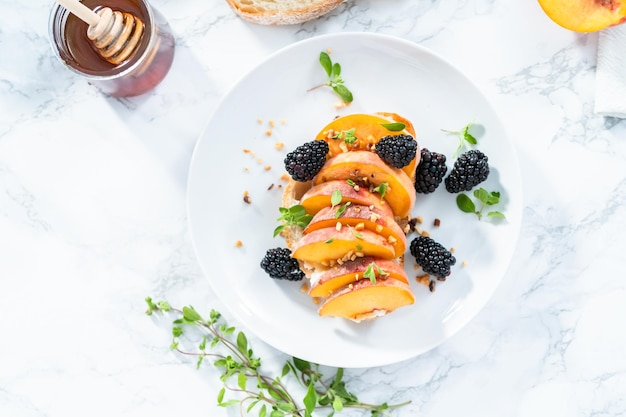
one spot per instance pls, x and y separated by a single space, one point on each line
115 34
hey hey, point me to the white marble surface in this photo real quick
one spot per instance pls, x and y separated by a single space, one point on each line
92 220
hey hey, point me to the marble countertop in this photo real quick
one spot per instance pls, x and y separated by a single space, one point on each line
93 220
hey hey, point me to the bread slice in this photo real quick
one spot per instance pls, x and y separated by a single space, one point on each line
282 12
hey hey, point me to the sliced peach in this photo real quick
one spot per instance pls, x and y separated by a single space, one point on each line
361 217
350 272
329 245
585 15
366 299
366 168
367 129
319 197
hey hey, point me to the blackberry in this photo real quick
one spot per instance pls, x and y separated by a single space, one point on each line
304 162
397 151
469 170
430 171
432 256
279 264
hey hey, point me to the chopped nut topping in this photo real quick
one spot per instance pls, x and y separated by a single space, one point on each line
271 123
437 222
285 177
267 167
238 244
338 226
423 279
359 226
279 145
379 228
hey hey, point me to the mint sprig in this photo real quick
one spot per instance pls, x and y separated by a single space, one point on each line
242 375
464 137
335 81
293 216
485 198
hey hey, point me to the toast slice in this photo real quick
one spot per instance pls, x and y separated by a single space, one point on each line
282 12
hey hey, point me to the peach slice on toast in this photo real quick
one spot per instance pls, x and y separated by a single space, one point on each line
366 169
365 299
361 217
319 197
332 245
338 276
365 131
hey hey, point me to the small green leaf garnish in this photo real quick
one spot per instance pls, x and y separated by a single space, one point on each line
370 272
331 240
293 216
257 392
382 189
357 235
335 198
486 198
350 182
347 136
464 136
359 247
393 127
341 210
335 81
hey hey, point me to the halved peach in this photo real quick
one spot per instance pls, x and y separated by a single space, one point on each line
585 15
328 245
367 300
361 217
367 129
366 168
350 272
319 197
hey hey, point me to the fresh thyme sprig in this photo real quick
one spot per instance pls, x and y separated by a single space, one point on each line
335 81
256 391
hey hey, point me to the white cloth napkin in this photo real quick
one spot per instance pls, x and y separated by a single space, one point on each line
610 97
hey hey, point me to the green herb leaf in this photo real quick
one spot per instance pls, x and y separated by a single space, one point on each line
343 92
310 399
465 203
242 342
326 63
333 72
335 198
190 314
293 216
370 272
382 189
485 198
496 214
394 127
341 210
329 240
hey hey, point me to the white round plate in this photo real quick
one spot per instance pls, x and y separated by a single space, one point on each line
385 74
